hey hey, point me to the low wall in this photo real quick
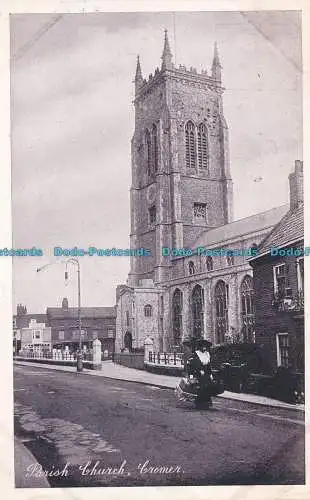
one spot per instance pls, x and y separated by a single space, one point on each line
45 361
176 371
130 360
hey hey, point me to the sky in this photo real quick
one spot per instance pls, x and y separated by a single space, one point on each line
72 120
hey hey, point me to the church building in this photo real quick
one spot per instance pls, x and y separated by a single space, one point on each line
182 198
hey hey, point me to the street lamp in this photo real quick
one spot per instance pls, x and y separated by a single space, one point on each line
79 361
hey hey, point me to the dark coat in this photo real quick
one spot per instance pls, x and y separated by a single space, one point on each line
194 367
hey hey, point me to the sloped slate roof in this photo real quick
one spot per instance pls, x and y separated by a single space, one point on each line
257 222
86 312
290 228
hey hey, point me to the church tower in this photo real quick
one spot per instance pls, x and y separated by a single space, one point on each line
181 183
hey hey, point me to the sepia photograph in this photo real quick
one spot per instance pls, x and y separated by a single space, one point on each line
158 248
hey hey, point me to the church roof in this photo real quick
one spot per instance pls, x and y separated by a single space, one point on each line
289 229
86 312
241 227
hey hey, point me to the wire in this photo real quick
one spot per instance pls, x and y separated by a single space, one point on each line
262 33
44 29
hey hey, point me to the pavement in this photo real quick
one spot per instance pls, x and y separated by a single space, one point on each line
115 371
25 460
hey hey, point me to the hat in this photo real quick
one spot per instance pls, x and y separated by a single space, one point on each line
204 343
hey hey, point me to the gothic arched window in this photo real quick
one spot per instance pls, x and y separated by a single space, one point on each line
155 148
148 152
191 267
177 306
202 146
190 145
209 263
197 311
148 311
247 308
221 311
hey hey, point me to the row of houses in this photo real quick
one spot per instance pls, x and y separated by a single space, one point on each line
58 328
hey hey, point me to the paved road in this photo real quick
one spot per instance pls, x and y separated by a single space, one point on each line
91 431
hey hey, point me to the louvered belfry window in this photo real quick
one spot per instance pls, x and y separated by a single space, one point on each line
202 146
190 145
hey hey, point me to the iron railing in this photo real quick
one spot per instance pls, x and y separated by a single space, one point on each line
165 358
54 355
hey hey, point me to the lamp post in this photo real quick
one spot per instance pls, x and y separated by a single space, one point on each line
79 357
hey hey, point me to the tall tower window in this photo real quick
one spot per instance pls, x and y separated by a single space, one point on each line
148 152
155 148
202 146
190 145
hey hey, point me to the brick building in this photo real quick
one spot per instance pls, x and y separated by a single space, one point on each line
182 197
97 322
279 284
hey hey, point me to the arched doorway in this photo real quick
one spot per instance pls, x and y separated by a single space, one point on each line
197 311
128 341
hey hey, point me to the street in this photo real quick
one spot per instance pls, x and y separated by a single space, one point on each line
93 431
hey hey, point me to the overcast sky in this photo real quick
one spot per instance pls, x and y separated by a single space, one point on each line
73 118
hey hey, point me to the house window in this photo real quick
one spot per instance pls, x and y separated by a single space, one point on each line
197 311
221 311
202 147
127 318
177 306
110 334
191 268
152 215
300 273
283 349
190 149
247 308
155 147
148 152
36 335
209 263
61 335
280 279
148 311
200 211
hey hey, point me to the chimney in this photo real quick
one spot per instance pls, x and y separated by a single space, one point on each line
296 180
